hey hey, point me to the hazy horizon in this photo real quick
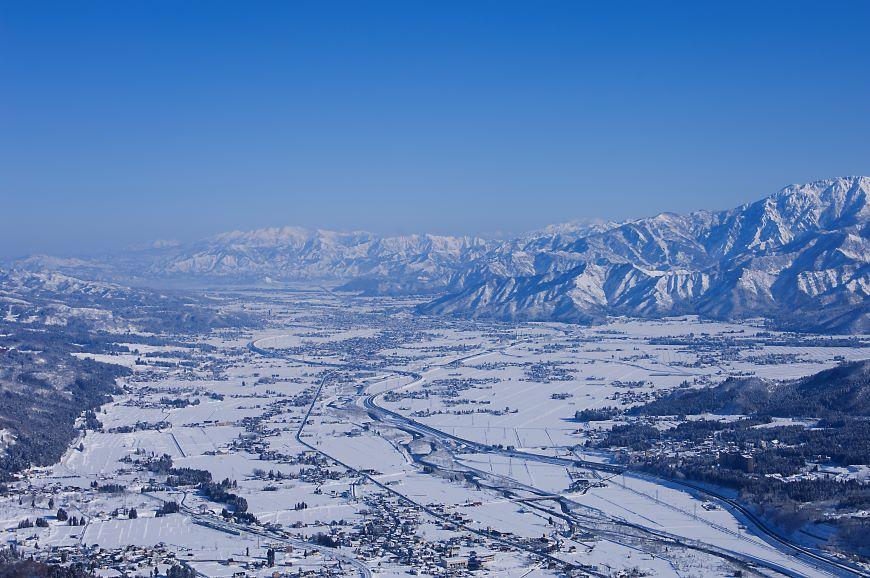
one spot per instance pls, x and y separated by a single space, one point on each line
146 243
123 123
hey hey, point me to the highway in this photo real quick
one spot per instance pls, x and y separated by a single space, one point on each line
758 526
821 561
433 513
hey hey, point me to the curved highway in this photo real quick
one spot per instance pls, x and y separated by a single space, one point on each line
818 560
823 561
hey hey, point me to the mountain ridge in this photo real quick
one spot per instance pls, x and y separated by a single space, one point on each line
800 256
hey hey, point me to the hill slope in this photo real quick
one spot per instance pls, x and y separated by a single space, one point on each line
840 391
800 256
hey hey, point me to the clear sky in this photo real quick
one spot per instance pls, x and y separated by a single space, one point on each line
124 121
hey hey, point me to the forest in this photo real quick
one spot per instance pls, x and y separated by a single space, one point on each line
44 389
793 433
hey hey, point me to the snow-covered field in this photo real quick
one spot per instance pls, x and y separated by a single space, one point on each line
379 486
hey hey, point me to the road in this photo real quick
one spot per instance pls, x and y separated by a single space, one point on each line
821 561
218 523
755 524
433 513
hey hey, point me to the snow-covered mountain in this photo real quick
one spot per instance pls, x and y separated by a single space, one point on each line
410 263
41 299
399 264
799 256
51 298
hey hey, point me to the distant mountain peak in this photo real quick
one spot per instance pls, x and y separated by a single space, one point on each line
764 258
800 256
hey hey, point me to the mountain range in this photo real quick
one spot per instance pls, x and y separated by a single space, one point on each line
799 257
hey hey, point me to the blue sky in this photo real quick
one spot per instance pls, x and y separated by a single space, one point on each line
127 121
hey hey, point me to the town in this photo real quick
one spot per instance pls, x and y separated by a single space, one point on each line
359 440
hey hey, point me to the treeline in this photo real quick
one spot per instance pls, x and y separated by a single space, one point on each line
215 491
40 406
763 490
789 503
220 493
777 450
188 477
44 389
772 472
600 414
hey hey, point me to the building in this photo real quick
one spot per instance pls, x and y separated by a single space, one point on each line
737 461
455 563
